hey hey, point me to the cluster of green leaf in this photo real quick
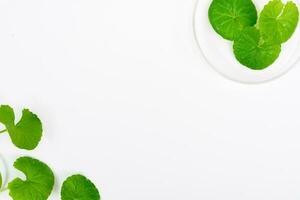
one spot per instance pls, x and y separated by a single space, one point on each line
257 41
40 179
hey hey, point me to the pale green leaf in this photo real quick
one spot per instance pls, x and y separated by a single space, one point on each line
278 22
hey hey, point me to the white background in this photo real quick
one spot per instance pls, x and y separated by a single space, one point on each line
127 100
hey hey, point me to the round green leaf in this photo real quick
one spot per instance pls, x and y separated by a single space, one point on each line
252 51
230 17
278 22
39 180
27 133
78 187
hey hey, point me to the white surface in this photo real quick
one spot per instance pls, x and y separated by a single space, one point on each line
219 52
127 99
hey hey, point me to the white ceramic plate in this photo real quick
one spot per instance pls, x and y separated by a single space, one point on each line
219 54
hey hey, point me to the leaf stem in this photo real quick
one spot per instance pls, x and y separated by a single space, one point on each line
3 189
3 131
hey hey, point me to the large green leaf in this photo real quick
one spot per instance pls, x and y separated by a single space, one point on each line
39 180
230 17
252 51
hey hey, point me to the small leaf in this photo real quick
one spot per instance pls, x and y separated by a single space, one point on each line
78 187
278 22
7 116
27 133
230 17
252 51
39 180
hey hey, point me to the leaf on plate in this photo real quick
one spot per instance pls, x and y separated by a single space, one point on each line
278 22
230 17
78 187
39 180
27 133
252 51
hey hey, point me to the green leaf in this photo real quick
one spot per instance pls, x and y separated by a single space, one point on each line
39 180
27 133
1 181
278 22
7 116
252 51
78 187
230 17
